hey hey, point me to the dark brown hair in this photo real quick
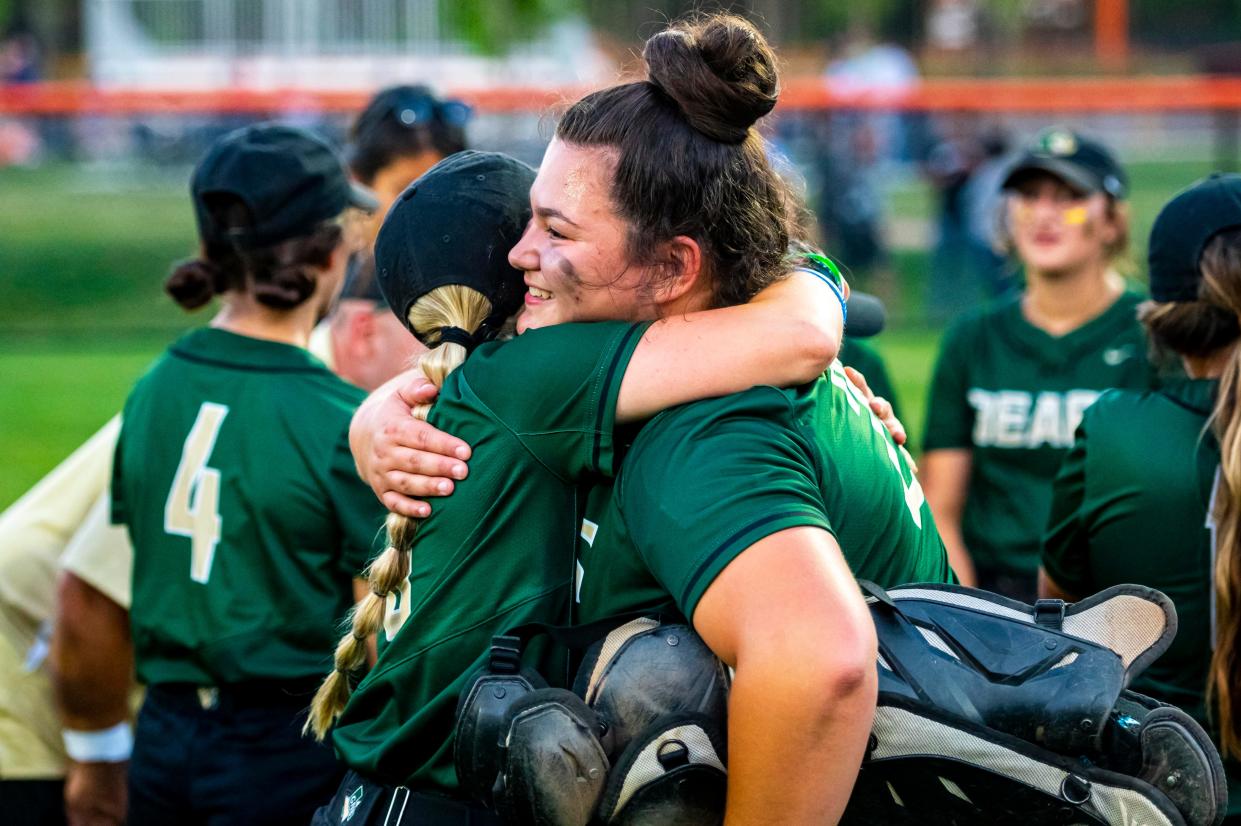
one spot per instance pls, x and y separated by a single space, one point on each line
281 276
688 159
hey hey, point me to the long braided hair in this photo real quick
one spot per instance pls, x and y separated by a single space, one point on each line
442 263
449 307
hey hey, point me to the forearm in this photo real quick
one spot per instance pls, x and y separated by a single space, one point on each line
796 742
958 555
787 335
91 659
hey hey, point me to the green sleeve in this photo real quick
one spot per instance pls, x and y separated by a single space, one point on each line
708 480
949 416
556 388
1066 542
358 513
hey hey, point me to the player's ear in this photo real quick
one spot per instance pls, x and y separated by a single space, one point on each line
682 269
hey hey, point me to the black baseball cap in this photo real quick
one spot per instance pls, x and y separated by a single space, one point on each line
1084 164
1181 231
455 225
289 180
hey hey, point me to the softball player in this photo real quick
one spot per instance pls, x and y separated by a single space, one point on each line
1013 378
1144 494
402 132
575 244
233 477
472 572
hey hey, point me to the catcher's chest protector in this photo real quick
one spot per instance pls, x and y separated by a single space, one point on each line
992 711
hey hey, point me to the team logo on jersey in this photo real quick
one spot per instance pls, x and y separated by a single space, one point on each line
352 802
1017 419
1114 356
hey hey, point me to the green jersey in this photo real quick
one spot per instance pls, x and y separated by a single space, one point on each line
247 517
866 360
705 481
1129 507
1013 395
539 413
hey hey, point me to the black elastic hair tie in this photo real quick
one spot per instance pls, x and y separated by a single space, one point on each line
456 335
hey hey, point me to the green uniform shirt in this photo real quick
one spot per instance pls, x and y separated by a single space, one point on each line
705 481
1014 395
866 360
539 413
248 520
1131 504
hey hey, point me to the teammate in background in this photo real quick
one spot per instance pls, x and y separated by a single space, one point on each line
1013 378
596 171
1145 495
402 132
233 477
50 526
62 522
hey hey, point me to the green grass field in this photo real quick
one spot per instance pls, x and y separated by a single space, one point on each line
83 252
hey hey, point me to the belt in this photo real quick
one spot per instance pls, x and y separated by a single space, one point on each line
251 694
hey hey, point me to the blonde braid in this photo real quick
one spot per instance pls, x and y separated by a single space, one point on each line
449 306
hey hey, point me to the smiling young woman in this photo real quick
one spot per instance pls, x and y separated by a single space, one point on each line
1014 377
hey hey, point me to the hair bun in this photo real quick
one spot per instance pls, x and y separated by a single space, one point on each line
720 71
193 283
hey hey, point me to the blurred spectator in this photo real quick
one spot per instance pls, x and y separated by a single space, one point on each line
965 167
850 204
20 57
953 25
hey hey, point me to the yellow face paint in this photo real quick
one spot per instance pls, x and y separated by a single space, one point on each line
1075 216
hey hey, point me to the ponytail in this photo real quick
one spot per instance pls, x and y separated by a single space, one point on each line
451 306
1221 271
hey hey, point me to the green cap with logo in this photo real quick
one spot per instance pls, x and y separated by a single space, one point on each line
1084 164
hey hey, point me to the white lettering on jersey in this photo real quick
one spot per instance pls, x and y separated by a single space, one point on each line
914 497
1017 419
589 531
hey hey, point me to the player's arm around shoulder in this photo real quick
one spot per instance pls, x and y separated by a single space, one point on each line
788 616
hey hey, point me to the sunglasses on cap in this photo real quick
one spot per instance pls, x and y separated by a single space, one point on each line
413 109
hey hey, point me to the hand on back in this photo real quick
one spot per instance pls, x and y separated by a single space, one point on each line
403 458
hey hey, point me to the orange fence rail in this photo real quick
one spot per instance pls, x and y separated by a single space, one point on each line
1109 94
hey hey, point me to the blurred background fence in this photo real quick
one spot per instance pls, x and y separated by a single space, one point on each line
895 120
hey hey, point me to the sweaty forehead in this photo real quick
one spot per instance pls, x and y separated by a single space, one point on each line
575 181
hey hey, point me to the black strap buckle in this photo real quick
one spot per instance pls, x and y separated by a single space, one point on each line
505 655
1049 613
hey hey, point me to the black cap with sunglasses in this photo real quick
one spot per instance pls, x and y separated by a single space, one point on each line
405 120
1084 164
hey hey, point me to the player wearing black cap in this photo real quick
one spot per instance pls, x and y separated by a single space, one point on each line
1013 378
1145 495
401 133
234 479
540 411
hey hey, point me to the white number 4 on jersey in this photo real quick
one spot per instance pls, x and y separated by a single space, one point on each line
193 506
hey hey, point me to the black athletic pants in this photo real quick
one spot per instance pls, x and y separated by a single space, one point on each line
361 802
32 802
232 756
